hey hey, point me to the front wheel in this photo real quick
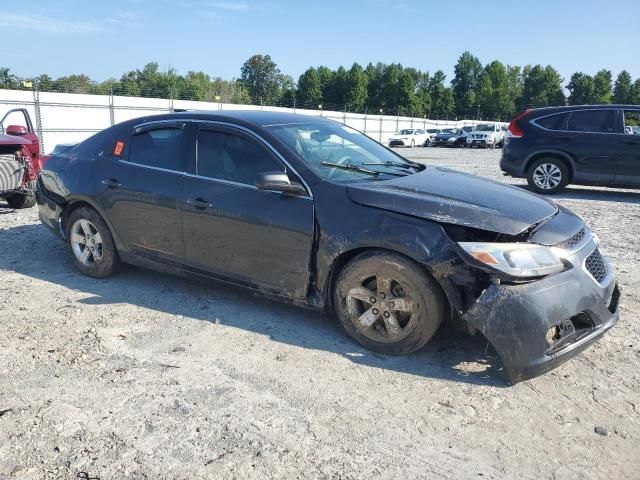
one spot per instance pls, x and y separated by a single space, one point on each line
413 143
91 244
387 303
547 175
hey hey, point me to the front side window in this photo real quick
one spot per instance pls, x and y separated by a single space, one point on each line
162 147
228 156
632 122
592 121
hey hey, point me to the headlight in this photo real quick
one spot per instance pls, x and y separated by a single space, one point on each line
516 259
451 139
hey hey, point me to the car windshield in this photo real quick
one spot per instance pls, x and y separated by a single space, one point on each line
448 131
406 132
467 129
484 128
433 130
341 154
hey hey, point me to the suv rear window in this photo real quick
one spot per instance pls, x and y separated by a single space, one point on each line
595 121
554 122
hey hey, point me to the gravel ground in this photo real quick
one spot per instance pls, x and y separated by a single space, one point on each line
149 376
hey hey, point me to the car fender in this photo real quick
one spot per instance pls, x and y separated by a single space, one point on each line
568 158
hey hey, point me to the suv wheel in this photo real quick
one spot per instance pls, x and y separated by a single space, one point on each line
547 175
388 304
91 244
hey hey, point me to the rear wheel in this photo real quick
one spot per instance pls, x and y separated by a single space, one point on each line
547 175
387 303
26 199
91 244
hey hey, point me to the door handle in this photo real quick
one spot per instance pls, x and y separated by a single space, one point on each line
111 183
199 203
566 138
631 142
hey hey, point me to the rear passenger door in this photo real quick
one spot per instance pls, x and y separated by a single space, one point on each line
629 166
139 184
591 138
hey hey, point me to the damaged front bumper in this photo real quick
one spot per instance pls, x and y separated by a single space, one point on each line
537 326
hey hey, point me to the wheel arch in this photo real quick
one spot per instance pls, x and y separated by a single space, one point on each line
557 154
344 258
74 204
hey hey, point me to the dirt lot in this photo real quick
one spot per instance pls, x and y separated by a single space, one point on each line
151 376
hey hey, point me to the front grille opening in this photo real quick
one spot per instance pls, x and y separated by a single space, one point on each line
573 241
596 266
570 330
615 300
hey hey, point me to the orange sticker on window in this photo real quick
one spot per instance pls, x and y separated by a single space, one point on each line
118 149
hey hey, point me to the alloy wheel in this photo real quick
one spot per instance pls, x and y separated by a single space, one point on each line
547 176
381 310
86 242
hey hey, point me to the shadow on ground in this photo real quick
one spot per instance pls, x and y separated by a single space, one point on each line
31 250
592 193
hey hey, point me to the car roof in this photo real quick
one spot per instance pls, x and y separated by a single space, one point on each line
570 108
252 117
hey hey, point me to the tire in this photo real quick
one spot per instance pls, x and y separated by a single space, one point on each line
492 146
104 260
547 175
23 200
413 143
407 315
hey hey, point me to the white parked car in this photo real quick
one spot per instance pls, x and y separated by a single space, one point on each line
488 135
409 137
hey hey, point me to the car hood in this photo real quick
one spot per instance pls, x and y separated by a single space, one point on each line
13 140
448 196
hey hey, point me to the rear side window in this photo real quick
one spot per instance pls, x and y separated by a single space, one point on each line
162 147
592 121
228 156
554 122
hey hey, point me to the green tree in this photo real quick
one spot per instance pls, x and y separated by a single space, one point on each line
260 76
623 88
580 89
602 91
375 85
73 84
45 83
635 93
8 80
493 94
465 82
542 87
356 89
442 98
309 93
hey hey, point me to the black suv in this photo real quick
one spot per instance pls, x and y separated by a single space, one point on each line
588 145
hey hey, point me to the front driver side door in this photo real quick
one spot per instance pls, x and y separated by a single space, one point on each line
233 230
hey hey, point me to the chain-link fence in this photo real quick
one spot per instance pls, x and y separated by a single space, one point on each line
72 117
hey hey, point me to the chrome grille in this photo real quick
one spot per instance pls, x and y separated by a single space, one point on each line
573 241
596 266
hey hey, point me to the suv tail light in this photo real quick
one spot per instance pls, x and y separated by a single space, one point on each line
514 130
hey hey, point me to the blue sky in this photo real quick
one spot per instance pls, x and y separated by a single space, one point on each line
105 38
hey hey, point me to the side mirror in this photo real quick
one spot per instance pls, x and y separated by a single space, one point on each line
17 130
279 182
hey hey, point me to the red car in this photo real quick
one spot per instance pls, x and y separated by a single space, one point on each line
20 160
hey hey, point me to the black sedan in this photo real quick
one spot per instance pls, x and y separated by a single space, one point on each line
312 212
451 137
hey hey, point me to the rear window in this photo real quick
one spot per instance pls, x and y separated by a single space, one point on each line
592 121
554 122
162 147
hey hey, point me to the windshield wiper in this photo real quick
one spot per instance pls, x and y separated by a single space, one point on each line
357 168
389 163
